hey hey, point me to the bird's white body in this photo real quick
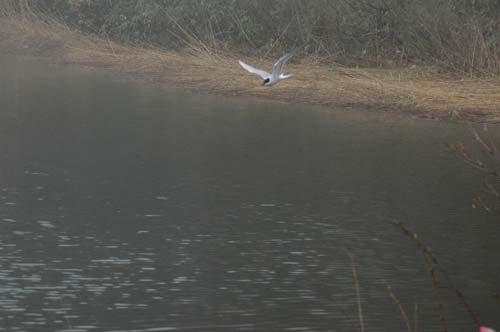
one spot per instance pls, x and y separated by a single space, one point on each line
275 76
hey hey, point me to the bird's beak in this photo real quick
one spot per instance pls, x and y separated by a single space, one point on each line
263 83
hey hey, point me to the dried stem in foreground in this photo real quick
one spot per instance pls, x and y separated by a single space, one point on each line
401 309
432 262
358 294
415 318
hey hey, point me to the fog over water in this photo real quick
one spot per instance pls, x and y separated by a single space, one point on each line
124 207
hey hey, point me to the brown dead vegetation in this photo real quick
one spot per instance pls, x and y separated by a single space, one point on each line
418 90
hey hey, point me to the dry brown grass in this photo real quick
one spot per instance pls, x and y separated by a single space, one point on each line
420 91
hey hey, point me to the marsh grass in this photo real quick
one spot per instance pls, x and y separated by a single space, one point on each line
456 35
420 90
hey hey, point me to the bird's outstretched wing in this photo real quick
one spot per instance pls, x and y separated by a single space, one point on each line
278 66
261 73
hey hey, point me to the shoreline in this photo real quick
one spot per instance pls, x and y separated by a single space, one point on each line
420 91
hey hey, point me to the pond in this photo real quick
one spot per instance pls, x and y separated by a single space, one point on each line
126 207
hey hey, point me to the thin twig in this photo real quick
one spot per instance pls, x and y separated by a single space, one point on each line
437 297
401 309
358 294
431 260
415 318
460 151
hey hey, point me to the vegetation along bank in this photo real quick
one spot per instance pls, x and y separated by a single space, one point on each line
436 59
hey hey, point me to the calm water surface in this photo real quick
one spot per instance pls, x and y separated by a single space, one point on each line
127 208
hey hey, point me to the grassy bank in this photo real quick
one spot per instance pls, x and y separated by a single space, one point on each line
420 90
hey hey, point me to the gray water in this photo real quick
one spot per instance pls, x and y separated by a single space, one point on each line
124 207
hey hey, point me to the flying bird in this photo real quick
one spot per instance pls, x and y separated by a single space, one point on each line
275 76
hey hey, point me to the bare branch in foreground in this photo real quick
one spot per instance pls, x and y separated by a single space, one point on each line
358 294
401 309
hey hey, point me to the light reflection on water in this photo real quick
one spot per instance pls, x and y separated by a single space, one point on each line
124 208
